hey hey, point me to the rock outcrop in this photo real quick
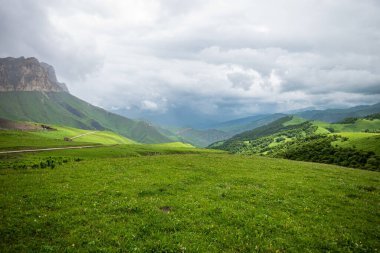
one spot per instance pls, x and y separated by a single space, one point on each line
28 74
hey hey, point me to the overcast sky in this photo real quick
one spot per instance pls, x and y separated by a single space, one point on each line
219 58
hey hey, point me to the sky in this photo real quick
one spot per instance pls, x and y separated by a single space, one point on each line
205 59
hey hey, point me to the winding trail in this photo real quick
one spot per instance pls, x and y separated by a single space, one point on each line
72 138
48 149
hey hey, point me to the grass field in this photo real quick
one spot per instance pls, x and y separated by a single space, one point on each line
176 198
101 137
362 141
15 139
359 126
165 198
294 121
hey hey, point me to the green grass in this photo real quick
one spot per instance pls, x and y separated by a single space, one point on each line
294 121
202 202
101 137
104 137
360 125
175 145
174 197
15 139
34 159
322 130
361 141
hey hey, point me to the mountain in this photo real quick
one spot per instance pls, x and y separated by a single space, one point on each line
336 115
240 141
201 138
28 74
217 132
244 124
355 144
178 116
31 92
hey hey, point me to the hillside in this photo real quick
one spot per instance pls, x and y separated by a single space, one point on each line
221 131
64 109
199 138
245 124
336 115
294 138
152 198
26 135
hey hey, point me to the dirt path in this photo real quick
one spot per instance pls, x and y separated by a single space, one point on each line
72 138
48 149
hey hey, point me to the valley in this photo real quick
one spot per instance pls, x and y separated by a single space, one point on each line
77 178
168 126
174 197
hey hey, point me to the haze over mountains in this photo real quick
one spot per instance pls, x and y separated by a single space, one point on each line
31 91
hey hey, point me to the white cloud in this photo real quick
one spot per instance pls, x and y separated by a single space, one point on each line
149 105
226 58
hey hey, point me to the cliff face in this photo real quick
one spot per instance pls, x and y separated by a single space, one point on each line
28 74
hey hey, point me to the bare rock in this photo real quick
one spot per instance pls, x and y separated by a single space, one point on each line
28 74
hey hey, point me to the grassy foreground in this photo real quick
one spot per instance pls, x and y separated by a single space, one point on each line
15 139
205 202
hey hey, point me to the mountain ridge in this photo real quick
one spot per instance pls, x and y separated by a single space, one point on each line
336 115
28 74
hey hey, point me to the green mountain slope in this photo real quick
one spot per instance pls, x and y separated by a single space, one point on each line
294 138
64 109
358 125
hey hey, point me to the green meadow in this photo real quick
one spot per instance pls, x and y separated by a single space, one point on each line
19 140
359 125
362 141
176 198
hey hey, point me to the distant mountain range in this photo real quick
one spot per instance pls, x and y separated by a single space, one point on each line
225 130
31 92
336 115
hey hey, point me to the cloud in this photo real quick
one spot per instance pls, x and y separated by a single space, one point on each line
149 105
28 30
218 58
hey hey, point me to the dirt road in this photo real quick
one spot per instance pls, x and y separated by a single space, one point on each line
72 138
47 149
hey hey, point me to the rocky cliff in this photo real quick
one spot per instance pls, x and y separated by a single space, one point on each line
28 74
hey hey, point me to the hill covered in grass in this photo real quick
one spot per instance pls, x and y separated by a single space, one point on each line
152 198
64 109
55 136
295 138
